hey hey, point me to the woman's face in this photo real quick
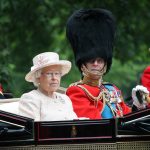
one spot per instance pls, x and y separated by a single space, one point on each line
95 65
49 81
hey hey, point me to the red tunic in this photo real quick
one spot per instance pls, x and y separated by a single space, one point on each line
84 106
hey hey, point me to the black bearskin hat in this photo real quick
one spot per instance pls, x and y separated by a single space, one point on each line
91 33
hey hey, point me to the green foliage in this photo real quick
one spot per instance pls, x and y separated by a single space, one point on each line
31 27
125 76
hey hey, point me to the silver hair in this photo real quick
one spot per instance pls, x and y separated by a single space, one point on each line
36 75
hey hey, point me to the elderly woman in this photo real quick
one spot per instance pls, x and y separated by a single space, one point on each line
44 103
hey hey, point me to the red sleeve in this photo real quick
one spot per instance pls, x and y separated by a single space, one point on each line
148 106
1 89
81 103
145 78
1 92
126 109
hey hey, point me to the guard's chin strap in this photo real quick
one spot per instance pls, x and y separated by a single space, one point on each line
93 79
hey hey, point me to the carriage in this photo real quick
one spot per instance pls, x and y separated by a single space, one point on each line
21 133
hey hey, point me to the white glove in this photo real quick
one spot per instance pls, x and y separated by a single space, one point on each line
143 91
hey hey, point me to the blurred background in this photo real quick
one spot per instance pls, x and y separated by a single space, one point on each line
29 27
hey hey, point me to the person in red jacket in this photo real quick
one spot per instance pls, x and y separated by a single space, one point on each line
91 33
1 92
145 78
141 93
145 81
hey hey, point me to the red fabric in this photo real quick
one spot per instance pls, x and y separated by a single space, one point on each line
125 108
148 106
84 107
1 89
145 78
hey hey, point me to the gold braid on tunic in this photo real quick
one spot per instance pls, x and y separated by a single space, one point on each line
103 96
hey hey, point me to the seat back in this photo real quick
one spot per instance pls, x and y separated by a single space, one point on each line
12 104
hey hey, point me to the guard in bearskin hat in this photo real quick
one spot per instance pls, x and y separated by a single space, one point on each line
91 33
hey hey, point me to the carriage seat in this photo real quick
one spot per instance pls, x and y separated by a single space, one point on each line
12 104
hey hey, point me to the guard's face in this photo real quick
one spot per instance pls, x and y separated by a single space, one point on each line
95 65
50 79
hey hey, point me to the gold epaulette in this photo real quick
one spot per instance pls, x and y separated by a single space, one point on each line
106 83
76 83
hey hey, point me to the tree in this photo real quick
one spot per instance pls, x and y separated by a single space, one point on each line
31 27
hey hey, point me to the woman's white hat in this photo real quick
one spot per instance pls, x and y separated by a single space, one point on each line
47 59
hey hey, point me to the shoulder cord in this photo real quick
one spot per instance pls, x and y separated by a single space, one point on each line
103 95
93 98
120 109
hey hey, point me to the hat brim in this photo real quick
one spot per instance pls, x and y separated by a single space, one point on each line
65 68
